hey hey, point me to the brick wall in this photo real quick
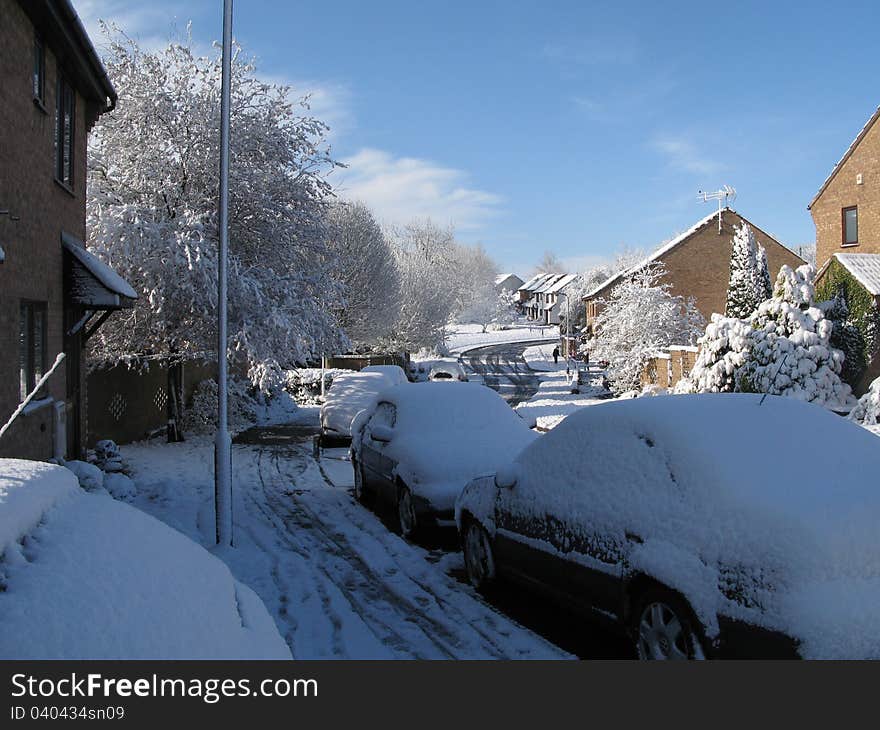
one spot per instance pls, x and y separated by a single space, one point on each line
33 266
844 191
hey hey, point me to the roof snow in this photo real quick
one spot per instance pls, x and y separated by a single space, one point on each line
665 248
849 150
103 273
561 283
504 277
865 267
535 282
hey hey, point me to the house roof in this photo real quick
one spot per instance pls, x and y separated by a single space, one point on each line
671 244
63 30
535 283
665 248
561 283
501 278
865 267
846 155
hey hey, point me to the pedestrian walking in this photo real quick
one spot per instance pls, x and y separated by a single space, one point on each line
555 355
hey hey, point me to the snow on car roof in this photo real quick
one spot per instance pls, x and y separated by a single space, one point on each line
395 372
454 431
704 433
349 394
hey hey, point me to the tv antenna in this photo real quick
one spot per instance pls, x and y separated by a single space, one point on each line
725 197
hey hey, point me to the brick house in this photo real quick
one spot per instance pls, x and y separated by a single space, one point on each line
53 293
846 212
698 264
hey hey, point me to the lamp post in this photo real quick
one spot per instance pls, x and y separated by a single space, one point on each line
223 441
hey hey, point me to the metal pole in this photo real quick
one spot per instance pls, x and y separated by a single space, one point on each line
223 443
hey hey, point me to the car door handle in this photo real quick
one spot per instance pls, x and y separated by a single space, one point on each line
633 537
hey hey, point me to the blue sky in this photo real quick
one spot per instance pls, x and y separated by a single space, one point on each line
574 127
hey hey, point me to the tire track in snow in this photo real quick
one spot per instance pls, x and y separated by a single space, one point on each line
420 593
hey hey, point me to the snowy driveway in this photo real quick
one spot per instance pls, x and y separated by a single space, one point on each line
337 582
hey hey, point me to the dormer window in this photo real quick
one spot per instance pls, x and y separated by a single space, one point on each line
851 226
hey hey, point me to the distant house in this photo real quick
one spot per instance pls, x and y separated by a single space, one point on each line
53 293
507 282
697 264
542 298
846 212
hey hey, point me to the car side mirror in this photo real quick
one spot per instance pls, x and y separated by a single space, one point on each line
381 433
507 476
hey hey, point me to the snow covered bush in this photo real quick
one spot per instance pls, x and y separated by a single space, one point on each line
641 317
200 416
152 211
846 337
867 409
749 277
784 348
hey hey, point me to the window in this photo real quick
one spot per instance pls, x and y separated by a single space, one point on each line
39 71
64 133
850 226
32 345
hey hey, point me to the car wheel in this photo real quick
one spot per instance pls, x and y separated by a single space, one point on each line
406 512
664 627
479 560
359 493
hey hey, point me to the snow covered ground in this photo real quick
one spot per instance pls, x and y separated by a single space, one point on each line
554 399
463 337
84 576
337 582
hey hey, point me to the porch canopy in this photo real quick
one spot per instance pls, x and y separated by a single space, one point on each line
92 285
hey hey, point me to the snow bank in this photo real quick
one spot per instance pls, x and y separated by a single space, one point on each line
28 489
776 500
445 434
867 409
349 394
87 577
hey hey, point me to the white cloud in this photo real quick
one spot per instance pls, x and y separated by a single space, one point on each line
399 189
682 154
150 24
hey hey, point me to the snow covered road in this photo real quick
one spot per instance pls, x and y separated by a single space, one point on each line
503 369
337 582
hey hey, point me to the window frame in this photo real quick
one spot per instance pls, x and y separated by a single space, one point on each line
65 94
843 212
39 73
28 311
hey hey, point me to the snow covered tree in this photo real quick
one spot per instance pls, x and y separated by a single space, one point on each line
549 264
152 211
641 317
748 285
784 348
765 281
867 410
490 307
362 259
426 262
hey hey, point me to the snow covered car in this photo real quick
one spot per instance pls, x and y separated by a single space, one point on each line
394 372
85 576
447 370
418 446
349 394
715 525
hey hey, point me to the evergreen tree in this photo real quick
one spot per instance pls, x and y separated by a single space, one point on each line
764 281
743 290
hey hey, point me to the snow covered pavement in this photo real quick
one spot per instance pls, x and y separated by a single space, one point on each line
554 400
337 582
